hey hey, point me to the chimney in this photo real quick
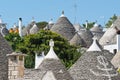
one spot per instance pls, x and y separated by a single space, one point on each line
15 65
86 24
20 27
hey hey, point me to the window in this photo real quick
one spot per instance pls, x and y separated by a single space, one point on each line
114 51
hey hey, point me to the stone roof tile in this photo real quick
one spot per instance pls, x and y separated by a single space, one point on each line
5 49
64 27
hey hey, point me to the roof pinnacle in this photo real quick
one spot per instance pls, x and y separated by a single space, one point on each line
94 46
51 43
62 14
51 54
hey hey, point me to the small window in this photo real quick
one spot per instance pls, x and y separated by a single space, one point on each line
114 51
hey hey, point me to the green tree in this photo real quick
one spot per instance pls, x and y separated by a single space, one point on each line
89 25
14 40
110 21
41 25
40 42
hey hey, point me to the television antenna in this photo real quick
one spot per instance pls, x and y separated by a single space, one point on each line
75 11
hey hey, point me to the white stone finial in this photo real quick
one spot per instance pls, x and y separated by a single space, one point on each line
33 19
94 38
34 25
51 54
94 46
51 43
96 25
43 53
62 14
51 21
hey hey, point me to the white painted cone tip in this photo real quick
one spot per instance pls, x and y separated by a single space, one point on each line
96 25
94 46
51 54
62 14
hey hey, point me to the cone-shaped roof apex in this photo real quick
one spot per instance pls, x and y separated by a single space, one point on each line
94 46
51 54
62 14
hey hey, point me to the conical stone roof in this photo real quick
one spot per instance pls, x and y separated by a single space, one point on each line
86 35
26 30
77 27
98 35
53 63
64 27
51 68
4 50
77 41
4 31
95 46
56 67
49 25
34 29
109 35
96 28
94 65
36 74
33 74
116 60
97 31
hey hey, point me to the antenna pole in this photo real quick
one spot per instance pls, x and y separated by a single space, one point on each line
75 9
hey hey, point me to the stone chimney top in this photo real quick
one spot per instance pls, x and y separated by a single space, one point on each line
16 54
15 65
20 19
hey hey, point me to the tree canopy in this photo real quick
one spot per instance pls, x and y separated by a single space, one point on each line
36 43
89 25
41 25
110 21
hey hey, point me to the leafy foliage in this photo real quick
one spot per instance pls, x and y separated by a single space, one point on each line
118 70
14 39
41 25
40 42
89 25
112 19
